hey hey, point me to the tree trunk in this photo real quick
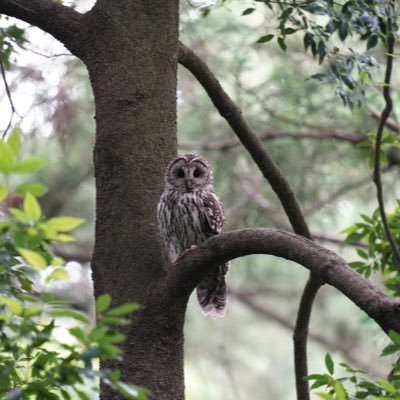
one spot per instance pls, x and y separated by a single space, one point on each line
132 65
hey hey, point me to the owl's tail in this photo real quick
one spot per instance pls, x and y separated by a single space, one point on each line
212 292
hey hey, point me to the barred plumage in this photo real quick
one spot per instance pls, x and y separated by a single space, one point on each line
188 213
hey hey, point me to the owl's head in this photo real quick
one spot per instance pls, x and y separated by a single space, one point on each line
188 173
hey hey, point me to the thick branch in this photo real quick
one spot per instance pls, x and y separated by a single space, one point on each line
228 109
51 16
321 262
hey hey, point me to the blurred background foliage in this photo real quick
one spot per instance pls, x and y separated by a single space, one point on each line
307 129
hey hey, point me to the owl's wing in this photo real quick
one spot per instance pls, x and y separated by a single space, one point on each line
214 213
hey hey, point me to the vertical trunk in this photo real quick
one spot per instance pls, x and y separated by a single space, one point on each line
131 55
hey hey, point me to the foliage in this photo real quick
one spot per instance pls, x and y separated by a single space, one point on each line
34 364
9 38
325 25
378 257
355 384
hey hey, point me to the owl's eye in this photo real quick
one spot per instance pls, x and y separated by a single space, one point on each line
197 173
180 173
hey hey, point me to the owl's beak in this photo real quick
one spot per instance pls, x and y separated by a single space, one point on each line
189 185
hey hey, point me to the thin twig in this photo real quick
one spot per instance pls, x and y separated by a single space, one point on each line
10 100
340 192
229 144
377 167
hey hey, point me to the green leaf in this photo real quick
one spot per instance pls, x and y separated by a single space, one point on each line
395 337
289 31
248 11
14 140
330 366
281 43
14 305
69 313
386 385
123 309
33 258
340 392
326 396
3 192
390 349
7 158
64 224
29 165
265 38
35 188
20 215
64 238
32 208
57 274
372 41
103 303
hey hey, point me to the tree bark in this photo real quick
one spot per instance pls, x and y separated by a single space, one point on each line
130 49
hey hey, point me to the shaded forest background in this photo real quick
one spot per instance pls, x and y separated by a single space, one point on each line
312 136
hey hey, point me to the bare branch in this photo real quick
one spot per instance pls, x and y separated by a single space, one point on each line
300 334
51 16
13 110
228 109
333 345
321 262
377 167
341 191
390 123
229 144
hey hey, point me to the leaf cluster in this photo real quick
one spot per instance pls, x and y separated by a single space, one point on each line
10 37
34 364
378 257
323 24
355 383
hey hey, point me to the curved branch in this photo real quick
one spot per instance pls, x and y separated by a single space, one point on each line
377 164
228 110
321 262
60 21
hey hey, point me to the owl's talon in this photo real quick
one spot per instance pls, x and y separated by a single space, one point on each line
183 254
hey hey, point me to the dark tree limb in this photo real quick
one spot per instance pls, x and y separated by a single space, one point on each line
322 263
60 21
300 334
230 111
270 170
377 164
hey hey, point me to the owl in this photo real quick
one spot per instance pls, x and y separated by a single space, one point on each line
188 213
